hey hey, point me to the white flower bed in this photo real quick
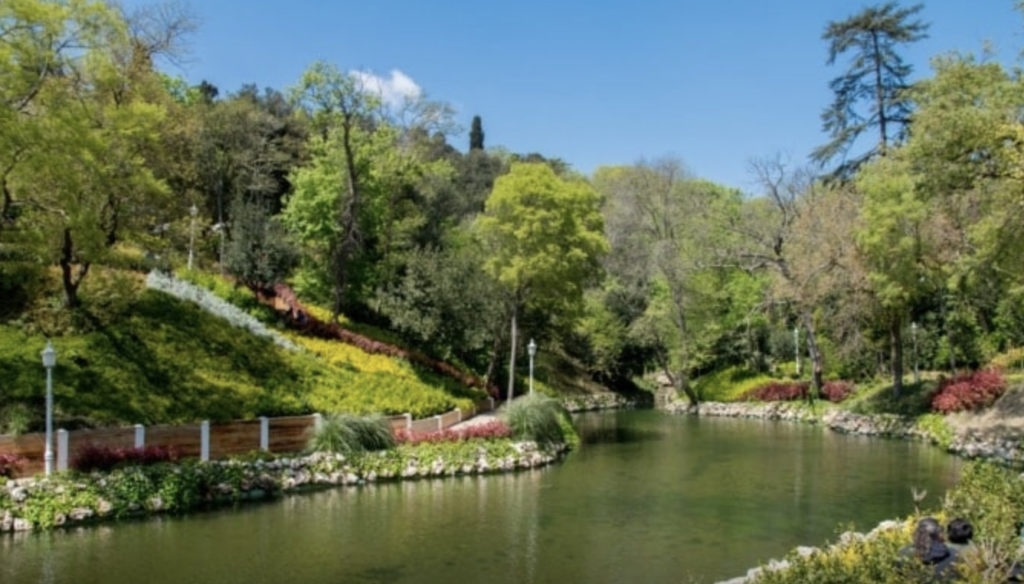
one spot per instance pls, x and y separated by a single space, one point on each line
214 305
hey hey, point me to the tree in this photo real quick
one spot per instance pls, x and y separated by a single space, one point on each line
84 109
339 106
797 232
660 222
476 135
877 74
896 238
258 252
543 238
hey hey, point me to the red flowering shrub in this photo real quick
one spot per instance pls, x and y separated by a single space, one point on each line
10 464
104 458
968 391
777 391
492 429
836 391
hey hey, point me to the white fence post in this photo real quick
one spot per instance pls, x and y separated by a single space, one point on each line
408 421
264 433
440 422
318 422
204 441
62 449
140 435
459 410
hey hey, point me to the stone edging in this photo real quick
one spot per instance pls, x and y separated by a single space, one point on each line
1007 450
601 401
258 480
845 539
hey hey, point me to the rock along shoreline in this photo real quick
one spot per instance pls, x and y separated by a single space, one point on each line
1007 449
68 500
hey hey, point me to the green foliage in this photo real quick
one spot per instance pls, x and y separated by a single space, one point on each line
877 74
539 418
258 252
348 434
866 561
728 384
1009 359
936 428
992 499
543 236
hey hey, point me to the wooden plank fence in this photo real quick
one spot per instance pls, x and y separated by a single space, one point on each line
204 440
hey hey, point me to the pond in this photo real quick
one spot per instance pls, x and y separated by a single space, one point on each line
649 497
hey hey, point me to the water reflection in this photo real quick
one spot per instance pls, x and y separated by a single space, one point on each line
674 497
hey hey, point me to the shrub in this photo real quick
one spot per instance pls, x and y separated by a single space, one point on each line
968 391
348 434
837 391
777 391
488 430
103 458
10 464
536 417
1011 359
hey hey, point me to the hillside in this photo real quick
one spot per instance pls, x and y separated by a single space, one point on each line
136 355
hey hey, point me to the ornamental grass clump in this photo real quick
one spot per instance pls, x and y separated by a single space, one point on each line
348 434
539 418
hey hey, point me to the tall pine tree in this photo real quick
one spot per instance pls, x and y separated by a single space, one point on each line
877 74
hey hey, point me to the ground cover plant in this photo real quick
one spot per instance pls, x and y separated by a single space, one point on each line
990 497
151 358
104 458
491 429
968 391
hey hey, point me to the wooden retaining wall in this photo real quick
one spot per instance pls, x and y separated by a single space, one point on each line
204 440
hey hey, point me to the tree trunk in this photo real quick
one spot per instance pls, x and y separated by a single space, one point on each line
896 342
68 276
347 219
883 138
817 365
490 378
512 357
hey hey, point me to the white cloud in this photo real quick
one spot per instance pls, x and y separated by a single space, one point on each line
393 91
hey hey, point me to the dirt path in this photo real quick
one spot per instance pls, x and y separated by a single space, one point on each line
1004 418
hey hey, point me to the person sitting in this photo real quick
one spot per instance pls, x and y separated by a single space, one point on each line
959 534
929 549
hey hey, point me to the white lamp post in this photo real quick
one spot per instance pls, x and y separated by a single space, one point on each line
532 350
193 211
49 360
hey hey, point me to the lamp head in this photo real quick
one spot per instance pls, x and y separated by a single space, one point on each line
49 355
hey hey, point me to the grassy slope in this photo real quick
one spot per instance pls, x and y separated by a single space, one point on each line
151 358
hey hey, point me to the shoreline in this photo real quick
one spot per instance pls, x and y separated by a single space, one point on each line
1007 449
75 499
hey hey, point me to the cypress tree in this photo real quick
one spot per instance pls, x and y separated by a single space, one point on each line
476 134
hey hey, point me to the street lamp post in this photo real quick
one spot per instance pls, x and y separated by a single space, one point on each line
193 211
532 350
49 360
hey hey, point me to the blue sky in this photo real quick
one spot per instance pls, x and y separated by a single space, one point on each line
596 82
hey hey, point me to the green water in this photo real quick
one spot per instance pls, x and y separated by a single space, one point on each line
649 497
